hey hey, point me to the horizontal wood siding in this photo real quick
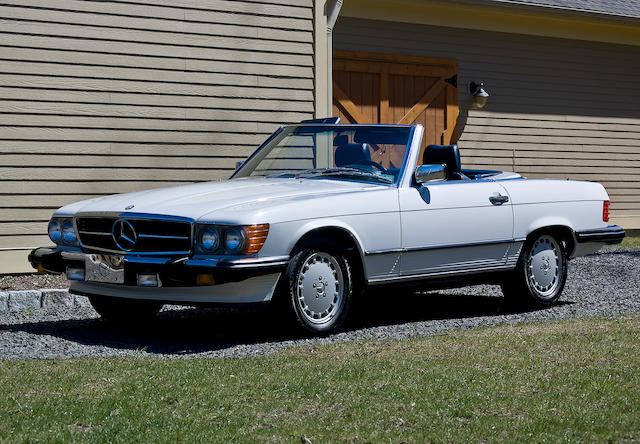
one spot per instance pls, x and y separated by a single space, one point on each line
101 97
557 108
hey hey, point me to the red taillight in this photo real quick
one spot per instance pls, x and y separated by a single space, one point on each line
605 211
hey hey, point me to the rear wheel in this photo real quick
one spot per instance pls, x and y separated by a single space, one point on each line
124 310
319 288
541 273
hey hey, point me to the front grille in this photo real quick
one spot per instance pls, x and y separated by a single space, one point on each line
152 235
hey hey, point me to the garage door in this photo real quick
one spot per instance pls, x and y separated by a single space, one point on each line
380 88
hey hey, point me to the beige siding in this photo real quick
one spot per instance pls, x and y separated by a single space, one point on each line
115 96
558 108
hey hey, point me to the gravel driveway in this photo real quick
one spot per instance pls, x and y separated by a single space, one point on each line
607 283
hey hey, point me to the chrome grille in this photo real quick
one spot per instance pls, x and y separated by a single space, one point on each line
151 235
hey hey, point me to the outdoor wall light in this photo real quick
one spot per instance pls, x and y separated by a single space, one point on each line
480 96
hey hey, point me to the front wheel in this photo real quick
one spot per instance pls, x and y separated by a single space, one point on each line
541 273
319 288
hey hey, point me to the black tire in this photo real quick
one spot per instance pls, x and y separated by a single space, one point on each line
120 310
541 273
305 292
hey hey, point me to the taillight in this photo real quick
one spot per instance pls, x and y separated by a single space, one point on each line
605 211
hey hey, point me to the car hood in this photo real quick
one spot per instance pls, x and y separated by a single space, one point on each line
197 200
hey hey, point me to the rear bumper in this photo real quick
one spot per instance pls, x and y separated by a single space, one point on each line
243 280
613 234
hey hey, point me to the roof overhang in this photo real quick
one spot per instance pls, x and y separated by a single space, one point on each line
510 16
561 10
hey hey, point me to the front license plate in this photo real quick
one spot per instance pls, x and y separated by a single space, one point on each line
104 268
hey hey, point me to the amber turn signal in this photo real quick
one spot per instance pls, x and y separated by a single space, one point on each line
256 237
605 211
204 279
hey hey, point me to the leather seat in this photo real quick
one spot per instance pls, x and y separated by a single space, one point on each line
353 154
447 154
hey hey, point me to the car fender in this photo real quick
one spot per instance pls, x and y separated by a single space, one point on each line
549 221
312 225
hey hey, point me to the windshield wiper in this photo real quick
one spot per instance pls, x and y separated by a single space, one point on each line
342 171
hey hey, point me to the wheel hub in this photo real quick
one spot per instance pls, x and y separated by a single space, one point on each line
319 287
544 265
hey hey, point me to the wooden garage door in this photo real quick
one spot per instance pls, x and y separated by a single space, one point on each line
380 88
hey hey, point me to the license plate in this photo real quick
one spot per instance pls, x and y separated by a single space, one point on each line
104 268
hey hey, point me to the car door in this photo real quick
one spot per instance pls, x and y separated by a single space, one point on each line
454 227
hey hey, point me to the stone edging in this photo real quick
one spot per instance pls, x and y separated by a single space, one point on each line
37 299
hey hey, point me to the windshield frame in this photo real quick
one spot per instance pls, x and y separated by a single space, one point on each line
280 133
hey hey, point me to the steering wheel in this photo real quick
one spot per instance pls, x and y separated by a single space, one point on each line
376 165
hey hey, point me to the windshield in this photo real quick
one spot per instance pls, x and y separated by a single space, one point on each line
373 154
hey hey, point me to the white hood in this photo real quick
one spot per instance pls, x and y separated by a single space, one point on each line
195 201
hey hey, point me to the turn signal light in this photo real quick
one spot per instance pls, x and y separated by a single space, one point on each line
256 237
205 279
605 211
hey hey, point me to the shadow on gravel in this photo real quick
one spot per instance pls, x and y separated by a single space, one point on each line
620 251
182 332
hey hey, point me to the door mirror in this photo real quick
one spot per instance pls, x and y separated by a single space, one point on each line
430 173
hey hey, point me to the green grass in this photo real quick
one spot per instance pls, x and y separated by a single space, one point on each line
630 242
575 380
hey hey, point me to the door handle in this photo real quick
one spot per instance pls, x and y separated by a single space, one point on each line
498 199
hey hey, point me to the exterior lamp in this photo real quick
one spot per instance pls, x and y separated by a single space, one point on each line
480 96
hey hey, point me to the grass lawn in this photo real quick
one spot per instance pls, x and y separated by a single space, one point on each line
576 380
630 242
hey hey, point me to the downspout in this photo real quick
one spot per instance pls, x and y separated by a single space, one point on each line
333 11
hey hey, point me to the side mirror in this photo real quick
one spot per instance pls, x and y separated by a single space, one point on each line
430 173
239 164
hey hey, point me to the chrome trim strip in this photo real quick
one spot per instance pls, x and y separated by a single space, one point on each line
160 236
147 260
239 263
94 233
135 253
440 247
411 158
415 277
393 250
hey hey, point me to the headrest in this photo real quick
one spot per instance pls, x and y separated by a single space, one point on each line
352 154
448 154
342 139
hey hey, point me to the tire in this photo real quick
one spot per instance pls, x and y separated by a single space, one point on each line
541 273
308 280
120 310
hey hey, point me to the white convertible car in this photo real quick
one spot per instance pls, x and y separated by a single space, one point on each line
316 215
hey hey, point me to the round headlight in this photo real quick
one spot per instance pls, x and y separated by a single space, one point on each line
234 240
210 239
68 233
55 233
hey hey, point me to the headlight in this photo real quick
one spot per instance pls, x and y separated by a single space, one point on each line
224 239
234 240
62 231
68 232
210 239
55 231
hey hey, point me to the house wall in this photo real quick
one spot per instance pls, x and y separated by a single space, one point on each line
562 108
101 97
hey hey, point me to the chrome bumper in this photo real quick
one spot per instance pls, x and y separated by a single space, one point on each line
613 234
173 272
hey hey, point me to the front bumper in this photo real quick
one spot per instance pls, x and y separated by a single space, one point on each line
613 234
234 280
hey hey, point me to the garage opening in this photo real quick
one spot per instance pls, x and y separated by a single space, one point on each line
384 88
